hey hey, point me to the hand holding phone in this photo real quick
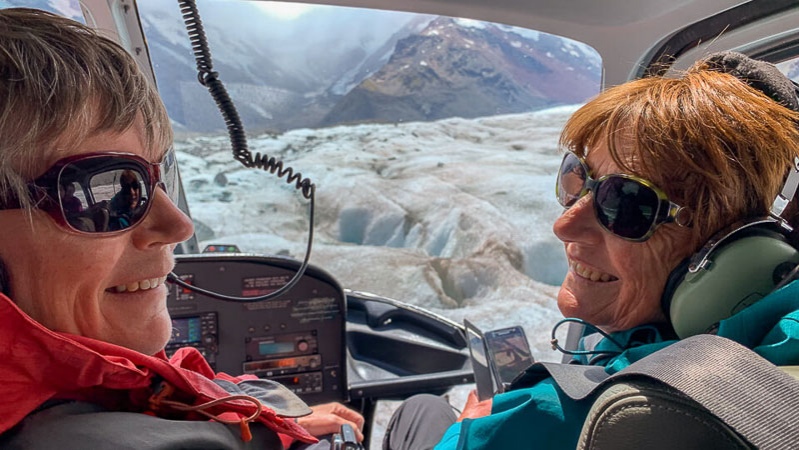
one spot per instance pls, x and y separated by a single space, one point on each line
475 408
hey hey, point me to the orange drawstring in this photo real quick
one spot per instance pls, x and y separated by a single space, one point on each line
164 390
244 424
246 434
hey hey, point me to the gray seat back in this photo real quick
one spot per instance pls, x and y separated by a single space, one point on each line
645 414
670 398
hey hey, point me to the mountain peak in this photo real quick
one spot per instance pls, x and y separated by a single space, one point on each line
342 65
461 68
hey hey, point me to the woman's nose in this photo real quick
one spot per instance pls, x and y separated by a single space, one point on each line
164 224
578 223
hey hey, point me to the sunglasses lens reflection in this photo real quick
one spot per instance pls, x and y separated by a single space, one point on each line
626 207
104 200
169 175
571 180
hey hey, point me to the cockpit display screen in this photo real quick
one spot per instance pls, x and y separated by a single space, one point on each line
186 330
274 348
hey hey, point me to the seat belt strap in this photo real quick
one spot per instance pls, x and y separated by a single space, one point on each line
751 395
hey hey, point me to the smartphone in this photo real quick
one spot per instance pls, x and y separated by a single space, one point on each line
484 377
509 351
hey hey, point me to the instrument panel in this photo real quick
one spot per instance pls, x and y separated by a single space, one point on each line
295 339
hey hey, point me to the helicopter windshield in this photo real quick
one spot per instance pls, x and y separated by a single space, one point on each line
432 142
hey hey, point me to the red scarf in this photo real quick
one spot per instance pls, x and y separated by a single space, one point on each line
37 364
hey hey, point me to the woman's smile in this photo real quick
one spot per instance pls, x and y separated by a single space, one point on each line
590 274
141 285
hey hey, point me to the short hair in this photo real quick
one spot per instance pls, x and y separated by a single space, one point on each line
128 179
61 82
710 141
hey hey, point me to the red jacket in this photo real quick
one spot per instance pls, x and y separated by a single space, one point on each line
37 364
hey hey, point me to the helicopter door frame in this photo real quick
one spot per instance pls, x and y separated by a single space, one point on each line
119 20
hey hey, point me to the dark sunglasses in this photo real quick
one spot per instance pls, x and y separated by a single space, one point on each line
104 199
625 205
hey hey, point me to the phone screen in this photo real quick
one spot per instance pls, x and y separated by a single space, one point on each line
510 351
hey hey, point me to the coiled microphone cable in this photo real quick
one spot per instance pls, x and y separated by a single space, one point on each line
210 79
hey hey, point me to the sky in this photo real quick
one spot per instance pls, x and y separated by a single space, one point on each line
284 10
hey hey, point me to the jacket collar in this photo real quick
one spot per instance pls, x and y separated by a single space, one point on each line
40 364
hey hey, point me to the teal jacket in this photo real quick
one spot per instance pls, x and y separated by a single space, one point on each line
543 417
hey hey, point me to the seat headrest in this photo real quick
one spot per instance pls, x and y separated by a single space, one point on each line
761 75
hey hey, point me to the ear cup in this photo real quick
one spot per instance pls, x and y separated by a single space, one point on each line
739 272
676 278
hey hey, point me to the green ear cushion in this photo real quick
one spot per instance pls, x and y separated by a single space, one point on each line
738 275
